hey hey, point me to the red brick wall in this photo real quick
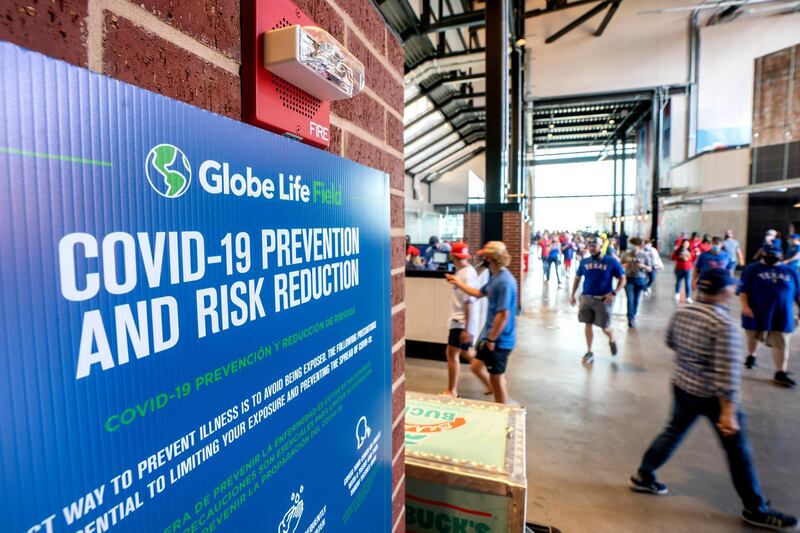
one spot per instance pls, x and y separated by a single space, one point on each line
772 123
190 50
512 237
473 223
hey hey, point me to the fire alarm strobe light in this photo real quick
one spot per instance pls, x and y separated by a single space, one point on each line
310 58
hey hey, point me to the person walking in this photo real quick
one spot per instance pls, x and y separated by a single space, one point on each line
499 334
637 266
544 250
684 264
792 257
734 250
714 257
706 383
769 292
655 260
568 248
552 260
597 297
464 321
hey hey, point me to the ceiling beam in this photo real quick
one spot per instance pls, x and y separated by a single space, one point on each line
439 106
467 111
607 18
430 178
577 22
477 19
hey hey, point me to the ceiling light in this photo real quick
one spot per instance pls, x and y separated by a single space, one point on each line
604 132
734 195
783 189
797 205
549 135
611 121
551 126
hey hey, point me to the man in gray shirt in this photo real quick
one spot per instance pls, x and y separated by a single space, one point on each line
734 250
637 265
706 383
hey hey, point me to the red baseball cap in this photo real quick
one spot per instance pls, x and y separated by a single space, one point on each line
460 250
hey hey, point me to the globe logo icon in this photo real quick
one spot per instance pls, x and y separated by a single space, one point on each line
168 170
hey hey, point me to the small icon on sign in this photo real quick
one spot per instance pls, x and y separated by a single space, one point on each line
363 431
168 170
292 517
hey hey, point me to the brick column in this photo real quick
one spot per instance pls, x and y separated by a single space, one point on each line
191 51
513 236
473 222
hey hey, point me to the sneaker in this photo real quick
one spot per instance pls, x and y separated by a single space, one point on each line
689 301
613 346
677 297
770 519
750 362
782 378
632 324
588 358
654 487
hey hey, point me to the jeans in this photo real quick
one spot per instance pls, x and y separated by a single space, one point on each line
685 277
687 408
633 289
548 265
651 278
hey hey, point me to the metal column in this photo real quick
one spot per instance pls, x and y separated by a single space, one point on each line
497 19
656 155
614 196
515 159
622 209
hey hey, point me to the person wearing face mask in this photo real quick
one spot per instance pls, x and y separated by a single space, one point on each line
707 384
715 257
499 334
769 292
597 298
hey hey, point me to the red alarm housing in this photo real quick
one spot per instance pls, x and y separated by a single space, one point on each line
269 101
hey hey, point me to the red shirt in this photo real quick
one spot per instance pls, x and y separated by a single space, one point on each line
683 264
544 246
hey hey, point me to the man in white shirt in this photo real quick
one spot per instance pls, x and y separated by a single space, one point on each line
464 321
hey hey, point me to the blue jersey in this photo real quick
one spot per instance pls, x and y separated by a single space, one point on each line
709 260
598 274
771 292
501 291
568 249
791 251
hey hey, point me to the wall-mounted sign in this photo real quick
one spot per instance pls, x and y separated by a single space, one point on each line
194 318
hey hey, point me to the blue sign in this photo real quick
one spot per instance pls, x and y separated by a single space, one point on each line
194 318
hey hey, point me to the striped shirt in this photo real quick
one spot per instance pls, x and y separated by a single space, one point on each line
709 351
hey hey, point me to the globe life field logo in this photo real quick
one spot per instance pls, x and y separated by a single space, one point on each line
168 170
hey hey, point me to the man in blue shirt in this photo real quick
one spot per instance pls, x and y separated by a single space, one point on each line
499 334
716 257
769 291
597 297
793 252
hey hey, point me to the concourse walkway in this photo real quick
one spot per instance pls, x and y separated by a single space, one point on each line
589 426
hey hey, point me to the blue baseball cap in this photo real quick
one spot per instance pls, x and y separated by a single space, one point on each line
794 236
714 280
771 248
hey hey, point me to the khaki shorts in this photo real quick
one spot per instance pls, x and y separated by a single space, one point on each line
594 311
773 339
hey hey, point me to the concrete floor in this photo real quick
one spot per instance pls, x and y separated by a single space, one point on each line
587 428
